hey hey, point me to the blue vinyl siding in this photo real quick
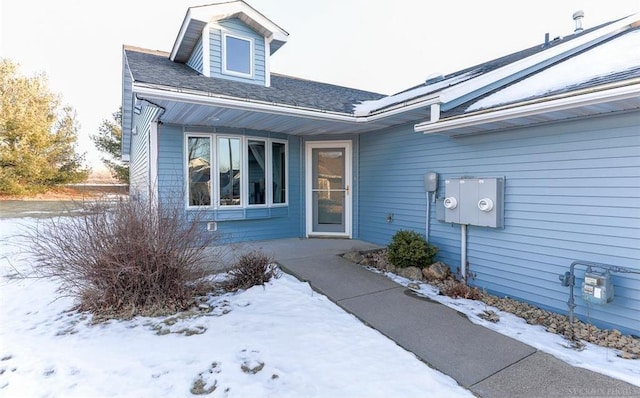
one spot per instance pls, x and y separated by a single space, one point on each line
234 225
139 165
195 60
237 27
572 192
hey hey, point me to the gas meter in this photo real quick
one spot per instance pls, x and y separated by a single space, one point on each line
597 287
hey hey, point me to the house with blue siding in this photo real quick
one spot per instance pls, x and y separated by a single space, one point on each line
515 168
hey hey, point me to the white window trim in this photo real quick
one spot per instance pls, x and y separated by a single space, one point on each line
224 56
244 184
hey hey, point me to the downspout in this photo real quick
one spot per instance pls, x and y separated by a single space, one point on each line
463 252
426 232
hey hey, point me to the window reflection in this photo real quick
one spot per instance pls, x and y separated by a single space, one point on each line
199 156
229 162
256 172
279 172
238 53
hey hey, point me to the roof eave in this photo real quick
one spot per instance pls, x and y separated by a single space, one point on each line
472 122
205 98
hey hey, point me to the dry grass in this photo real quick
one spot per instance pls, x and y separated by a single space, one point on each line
457 289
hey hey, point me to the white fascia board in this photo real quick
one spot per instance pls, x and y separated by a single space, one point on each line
561 103
183 31
197 97
206 55
215 12
589 39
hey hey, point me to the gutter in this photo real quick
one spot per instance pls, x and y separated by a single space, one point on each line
559 103
198 97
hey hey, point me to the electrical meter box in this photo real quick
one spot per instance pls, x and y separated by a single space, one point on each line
430 181
475 201
597 287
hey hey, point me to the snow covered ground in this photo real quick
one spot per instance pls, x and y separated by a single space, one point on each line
281 340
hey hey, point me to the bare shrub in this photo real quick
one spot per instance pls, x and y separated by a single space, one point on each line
456 289
124 259
251 269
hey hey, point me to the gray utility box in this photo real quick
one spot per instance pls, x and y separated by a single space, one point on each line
475 201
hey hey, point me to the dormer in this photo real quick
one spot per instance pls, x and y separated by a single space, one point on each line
228 40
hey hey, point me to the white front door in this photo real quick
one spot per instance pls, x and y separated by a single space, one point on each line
328 188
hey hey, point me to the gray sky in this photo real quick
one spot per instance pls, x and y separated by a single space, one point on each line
382 46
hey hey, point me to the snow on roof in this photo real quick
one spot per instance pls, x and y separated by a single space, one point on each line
616 55
364 108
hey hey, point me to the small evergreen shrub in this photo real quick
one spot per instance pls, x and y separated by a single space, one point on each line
251 269
409 248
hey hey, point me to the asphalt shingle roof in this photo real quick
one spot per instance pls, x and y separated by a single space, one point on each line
155 67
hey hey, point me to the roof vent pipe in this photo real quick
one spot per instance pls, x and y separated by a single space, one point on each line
577 17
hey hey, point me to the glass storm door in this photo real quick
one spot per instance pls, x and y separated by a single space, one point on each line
328 188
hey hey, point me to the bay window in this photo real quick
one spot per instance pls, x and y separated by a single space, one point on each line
231 172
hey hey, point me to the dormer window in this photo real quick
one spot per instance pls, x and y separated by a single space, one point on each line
237 55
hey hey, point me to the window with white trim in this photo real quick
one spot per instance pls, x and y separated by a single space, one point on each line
230 172
237 55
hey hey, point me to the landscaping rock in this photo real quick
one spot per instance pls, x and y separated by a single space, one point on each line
628 346
436 272
413 273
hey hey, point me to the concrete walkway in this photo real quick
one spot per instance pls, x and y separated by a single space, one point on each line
487 363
